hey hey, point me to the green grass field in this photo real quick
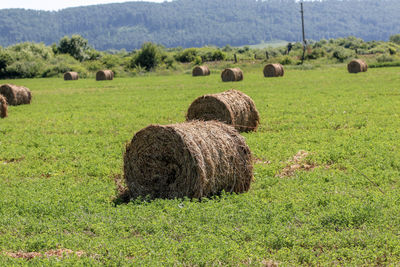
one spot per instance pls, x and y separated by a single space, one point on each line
59 157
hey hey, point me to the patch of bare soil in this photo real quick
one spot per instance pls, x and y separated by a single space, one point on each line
297 162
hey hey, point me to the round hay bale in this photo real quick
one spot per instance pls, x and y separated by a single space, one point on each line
3 107
200 71
193 159
71 75
16 95
102 75
232 75
357 65
232 107
273 70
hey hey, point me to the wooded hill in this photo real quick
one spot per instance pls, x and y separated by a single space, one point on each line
196 23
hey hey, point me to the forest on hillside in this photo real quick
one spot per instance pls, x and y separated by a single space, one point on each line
197 23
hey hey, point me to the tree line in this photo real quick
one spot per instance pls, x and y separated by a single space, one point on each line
74 53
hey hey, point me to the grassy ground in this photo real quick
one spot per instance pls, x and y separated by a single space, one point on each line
59 157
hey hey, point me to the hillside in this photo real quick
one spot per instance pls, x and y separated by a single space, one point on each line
190 23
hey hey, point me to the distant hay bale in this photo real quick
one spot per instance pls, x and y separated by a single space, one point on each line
16 95
102 75
232 75
232 107
193 159
3 107
200 71
357 65
71 75
273 70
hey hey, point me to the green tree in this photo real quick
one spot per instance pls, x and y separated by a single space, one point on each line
77 46
149 57
395 38
5 60
188 55
218 55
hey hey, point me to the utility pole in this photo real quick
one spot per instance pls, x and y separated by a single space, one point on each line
304 35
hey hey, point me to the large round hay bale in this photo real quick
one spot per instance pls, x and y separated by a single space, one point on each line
193 159
16 95
232 107
273 70
3 107
102 75
357 65
232 75
71 75
200 71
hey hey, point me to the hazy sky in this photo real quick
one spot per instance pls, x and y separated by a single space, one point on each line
56 5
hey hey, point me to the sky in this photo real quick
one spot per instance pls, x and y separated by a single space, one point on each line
57 5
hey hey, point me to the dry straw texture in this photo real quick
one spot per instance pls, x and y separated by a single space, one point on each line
273 70
357 65
71 75
193 159
232 75
231 107
3 107
200 71
102 75
16 95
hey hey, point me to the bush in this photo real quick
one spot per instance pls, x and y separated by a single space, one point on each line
227 48
395 38
286 60
24 69
392 51
316 53
351 42
76 46
31 51
93 65
320 43
218 55
169 62
60 69
110 61
187 55
206 56
148 57
5 60
197 60
377 50
384 64
274 52
384 58
341 54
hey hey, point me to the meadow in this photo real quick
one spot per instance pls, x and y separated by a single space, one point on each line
60 157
